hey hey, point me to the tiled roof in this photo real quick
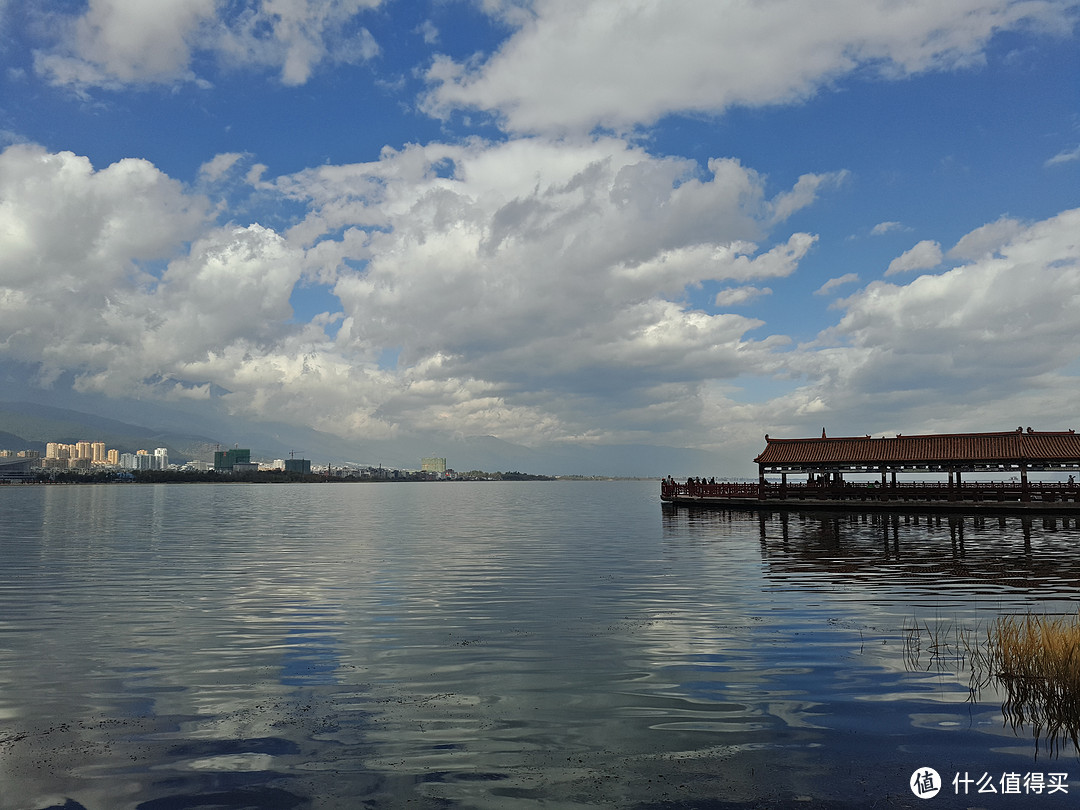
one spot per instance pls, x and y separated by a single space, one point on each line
958 448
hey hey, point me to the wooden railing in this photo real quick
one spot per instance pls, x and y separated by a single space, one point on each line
913 490
670 489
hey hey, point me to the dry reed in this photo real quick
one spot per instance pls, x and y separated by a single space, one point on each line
1035 658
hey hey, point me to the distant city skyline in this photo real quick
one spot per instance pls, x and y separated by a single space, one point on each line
632 235
87 456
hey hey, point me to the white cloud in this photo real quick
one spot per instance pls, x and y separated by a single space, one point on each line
121 41
61 219
924 256
76 248
577 64
804 193
302 34
118 42
219 165
833 283
548 278
537 291
1064 156
987 239
481 259
428 30
983 346
736 296
532 287
885 227
677 268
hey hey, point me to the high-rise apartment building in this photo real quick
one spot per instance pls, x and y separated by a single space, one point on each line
433 465
58 450
228 459
298 465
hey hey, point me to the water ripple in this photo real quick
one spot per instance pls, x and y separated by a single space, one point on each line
489 645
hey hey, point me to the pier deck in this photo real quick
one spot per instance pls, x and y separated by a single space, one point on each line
979 497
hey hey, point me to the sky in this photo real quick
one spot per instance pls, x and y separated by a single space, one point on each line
561 223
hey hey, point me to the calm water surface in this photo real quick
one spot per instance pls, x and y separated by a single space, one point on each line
498 645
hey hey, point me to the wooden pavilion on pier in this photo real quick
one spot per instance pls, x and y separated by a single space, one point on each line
862 471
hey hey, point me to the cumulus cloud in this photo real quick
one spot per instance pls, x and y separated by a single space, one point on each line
685 266
924 256
885 227
531 289
523 286
219 166
62 220
120 42
804 193
833 283
538 263
740 295
549 278
987 239
302 34
77 248
993 336
574 65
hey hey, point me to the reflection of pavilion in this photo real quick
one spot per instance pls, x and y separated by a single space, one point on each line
876 547
818 472
1010 550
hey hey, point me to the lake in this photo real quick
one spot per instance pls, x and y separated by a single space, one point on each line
506 645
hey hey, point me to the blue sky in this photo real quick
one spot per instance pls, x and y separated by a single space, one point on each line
682 224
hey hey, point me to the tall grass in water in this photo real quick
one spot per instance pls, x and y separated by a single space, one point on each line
1036 659
943 647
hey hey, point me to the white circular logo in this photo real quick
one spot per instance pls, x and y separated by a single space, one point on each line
925 783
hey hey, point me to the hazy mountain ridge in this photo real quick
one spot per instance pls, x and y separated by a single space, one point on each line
27 426
9 441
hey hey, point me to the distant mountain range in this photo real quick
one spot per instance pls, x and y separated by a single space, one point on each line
28 426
